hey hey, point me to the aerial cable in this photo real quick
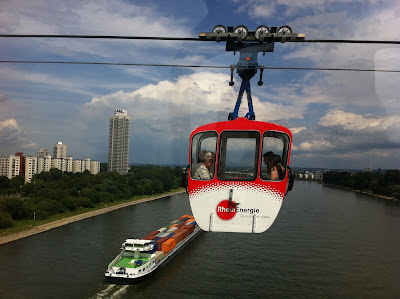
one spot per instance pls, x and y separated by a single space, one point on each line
196 66
392 42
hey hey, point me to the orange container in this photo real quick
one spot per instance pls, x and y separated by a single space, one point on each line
173 225
184 216
168 245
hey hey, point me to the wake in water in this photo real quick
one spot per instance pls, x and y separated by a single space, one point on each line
111 291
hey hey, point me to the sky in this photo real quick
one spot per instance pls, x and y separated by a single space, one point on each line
338 119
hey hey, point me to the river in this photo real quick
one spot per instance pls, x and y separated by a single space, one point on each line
325 243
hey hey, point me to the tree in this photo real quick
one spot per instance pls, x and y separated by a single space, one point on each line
5 220
17 182
148 189
16 207
392 177
4 182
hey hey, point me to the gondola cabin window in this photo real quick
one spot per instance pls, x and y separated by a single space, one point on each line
275 154
238 156
204 143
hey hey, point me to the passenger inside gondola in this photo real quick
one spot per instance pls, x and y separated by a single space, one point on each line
203 171
276 169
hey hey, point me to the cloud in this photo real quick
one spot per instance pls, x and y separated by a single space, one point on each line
203 95
316 145
355 122
13 136
9 124
297 129
10 74
349 138
98 18
31 145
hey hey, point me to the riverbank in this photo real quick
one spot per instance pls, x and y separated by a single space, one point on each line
364 192
45 227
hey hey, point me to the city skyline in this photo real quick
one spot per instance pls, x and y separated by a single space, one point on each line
338 119
28 165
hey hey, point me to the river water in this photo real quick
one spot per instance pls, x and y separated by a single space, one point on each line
325 243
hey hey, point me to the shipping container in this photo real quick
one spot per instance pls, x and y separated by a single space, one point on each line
168 245
162 229
159 255
177 237
153 233
172 229
184 232
175 221
160 242
189 227
162 235
149 237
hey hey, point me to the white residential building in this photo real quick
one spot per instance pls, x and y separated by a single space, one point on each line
43 152
78 166
60 150
43 163
68 164
118 148
58 163
31 164
87 165
9 166
94 167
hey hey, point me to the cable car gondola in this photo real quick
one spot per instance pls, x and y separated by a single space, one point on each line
239 196
238 172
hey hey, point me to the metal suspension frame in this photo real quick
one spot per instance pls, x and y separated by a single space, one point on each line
249 44
245 86
247 68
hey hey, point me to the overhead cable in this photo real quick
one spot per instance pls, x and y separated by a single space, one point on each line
195 66
392 42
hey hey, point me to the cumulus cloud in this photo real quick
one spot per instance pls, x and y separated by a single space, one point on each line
203 94
13 136
9 124
352 138
357 122
297 129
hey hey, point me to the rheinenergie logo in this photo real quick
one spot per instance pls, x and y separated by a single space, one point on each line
227 210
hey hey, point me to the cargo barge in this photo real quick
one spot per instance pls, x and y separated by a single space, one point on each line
141 257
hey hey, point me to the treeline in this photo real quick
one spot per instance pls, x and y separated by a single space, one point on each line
56 192
384 184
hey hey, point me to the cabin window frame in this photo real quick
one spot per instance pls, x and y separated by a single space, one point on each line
222 151
195 151
284 154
